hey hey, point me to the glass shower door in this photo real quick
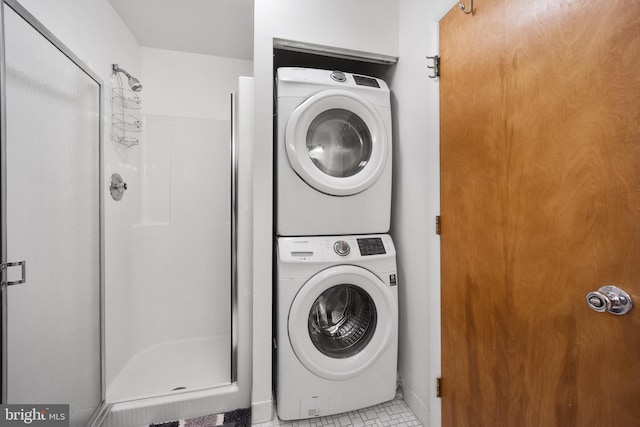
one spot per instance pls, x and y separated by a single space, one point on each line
51 209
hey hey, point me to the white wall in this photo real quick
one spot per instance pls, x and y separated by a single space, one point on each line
95 33
363 25
188 84
416 202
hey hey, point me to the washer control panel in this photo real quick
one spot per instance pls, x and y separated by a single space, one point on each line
338 249
371 246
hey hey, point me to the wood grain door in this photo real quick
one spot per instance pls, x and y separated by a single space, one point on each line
540 164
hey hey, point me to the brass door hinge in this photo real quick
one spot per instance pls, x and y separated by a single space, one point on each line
438 228
438 387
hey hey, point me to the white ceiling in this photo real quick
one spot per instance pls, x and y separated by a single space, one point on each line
210 27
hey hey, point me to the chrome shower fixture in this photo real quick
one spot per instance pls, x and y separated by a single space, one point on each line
134 83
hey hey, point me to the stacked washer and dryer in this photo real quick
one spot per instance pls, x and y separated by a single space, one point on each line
336 290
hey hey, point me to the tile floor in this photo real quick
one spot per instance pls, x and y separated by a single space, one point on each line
393 413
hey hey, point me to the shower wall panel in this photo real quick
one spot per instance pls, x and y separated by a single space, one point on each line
188 84
181 279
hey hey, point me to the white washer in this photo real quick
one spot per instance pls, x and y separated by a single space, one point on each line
337 324
333 153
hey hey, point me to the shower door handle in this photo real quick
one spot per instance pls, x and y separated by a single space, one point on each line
23 273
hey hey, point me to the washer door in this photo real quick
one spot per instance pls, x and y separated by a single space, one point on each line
336 142
341 320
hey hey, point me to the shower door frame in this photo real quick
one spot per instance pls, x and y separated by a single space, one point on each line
234 239
102 408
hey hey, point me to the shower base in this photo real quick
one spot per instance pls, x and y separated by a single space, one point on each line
158 410
174 367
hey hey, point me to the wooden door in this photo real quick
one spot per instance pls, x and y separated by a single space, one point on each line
540 170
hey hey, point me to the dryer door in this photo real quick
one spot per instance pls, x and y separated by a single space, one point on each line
341 320
336 142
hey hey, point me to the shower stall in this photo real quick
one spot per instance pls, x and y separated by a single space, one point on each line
148 326
182 339
185 347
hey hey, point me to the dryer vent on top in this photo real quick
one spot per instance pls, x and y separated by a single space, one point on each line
333 153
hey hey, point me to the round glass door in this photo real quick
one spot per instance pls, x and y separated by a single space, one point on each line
342 321
337 142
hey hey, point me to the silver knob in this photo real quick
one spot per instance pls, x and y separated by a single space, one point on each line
338 76
598 301
342 248
609 298
117 187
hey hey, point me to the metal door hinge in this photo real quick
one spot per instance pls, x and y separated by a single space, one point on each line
4 267
438 387
438 227
435 67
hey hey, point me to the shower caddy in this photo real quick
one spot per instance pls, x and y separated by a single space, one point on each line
126 122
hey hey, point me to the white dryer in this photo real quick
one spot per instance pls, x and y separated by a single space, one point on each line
333 153
337 324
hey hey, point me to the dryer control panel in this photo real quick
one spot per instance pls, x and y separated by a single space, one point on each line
366 81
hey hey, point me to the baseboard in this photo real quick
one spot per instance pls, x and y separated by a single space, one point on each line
416 405
261 412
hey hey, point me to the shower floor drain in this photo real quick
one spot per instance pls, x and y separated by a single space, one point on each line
178 388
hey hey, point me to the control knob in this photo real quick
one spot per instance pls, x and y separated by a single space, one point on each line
342 248
339 76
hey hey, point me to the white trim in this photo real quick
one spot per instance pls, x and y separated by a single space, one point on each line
416 405
261 412
332 51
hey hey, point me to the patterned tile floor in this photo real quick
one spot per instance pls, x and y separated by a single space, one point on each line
393 413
